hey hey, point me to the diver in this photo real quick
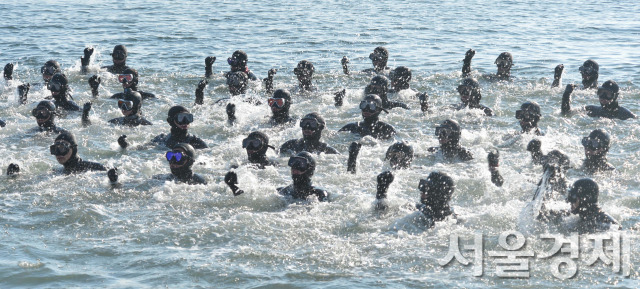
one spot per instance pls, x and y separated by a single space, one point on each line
371 107
238 82
280 103
2 123
65 148
256 145
119 57
58 85
399 155
504 62
589 72
181 158
609 108
13 170
383 181
400 78
379 58
379 86
596 146
129 80
583 197
45 114
312 126
179 118
304 72
528 116
49 69
436 191
303 165
470 96
130 105
448 133
238 62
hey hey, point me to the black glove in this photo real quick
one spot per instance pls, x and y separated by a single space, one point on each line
94 82
23 90
268 82
231 112
208 62
424 104
113 175
354 149
122 141
339 96
2 123
200 91
469 55
569 89
384 180
345 66
231 179
85 109
13 169
8 71
557 75
87 56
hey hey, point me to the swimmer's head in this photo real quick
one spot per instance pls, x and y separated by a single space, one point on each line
400 155
448 132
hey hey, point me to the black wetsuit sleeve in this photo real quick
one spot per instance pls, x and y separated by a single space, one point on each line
118 95
288 147
465 155
487 111
115 121
386 131
352 127
395 104
330 150
144 121
198 143
198 180
160 139
91 166
566 103
624 114
146 95
252 76
71 106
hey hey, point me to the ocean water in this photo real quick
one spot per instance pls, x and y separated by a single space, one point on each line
78 231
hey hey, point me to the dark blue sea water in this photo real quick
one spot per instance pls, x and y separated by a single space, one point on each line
77 231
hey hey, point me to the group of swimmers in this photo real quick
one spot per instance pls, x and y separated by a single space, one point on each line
436 189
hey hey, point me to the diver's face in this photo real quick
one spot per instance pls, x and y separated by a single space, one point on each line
181 126
46 77
465 93
591 152
575 206
126 112
63 159
182 162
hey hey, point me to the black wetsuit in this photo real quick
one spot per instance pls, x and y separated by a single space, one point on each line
250 74
592 219
280 118
145 95
295 146
302 189
453 152
132 120
179 136
64 103
116 68
432 216
611 111
50 129
77 165
487 111
184 177
593 165
371 126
